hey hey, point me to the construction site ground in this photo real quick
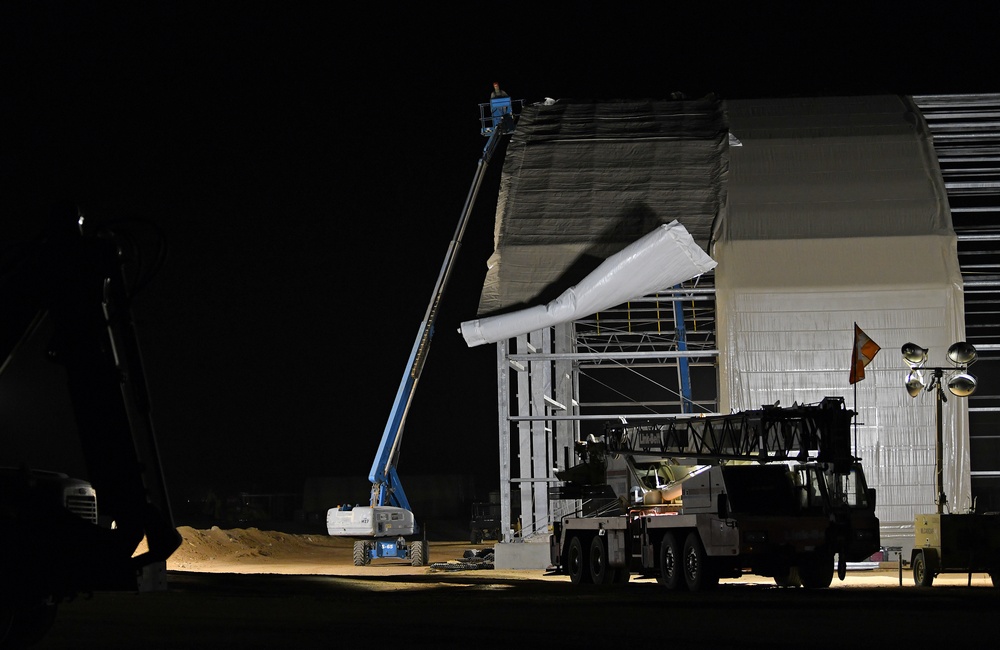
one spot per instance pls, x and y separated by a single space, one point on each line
249 588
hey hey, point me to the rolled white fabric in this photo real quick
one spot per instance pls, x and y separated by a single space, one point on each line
661 259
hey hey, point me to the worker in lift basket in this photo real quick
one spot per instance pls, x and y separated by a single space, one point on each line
497 92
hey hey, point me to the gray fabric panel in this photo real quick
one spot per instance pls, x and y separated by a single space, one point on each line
832 167
582 180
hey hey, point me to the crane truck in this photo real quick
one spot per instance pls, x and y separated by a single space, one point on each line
690 500
386 527
74 286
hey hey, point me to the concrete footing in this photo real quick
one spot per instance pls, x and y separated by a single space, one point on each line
521 555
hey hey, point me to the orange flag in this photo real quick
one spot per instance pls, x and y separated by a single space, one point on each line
864 351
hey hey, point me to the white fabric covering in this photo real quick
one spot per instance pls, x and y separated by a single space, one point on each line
663 258
838 215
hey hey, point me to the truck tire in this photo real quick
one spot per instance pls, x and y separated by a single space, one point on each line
27 626
576 562
788 577
922 574
816 569
601 573
671 573
623 575
698 574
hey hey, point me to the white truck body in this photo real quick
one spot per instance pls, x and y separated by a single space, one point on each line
772 492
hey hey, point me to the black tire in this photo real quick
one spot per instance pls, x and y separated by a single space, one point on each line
922 575
418 553
816 569
622 576
576 562
789 577
698 572
361 557
26 627
476 537
671 567
601 573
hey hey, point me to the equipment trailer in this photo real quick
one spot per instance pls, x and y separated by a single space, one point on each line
956 543
689 500
382 527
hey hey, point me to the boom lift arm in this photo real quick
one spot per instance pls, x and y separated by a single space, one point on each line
386 487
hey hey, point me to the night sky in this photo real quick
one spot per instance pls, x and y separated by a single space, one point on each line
306 167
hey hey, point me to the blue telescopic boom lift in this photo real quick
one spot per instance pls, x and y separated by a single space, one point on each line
382 526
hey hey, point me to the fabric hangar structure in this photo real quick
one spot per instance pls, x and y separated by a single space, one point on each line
822 213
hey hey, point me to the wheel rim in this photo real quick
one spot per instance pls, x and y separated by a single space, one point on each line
692 565
669 563
598 561
577 561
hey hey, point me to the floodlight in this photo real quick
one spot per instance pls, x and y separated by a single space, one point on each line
963 384
962 353
914 384
960 383
914 354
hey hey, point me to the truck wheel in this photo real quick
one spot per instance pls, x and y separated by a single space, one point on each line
475 537
922 575
26 627
577 562
418 553
788 577
623 575
601 573
361 557
816 569
698 575
671 573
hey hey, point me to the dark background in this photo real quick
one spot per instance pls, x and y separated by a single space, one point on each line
306 167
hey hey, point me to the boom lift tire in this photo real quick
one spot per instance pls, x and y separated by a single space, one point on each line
361 555
816 569
577 562
601 573
922 575
698 573
671 574
418 553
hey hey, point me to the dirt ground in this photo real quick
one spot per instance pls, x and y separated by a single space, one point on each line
251 550
254 551
250 588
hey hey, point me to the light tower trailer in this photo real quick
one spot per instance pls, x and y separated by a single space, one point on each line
690 500
956 543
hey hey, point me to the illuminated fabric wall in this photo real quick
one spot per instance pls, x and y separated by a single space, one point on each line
837 215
